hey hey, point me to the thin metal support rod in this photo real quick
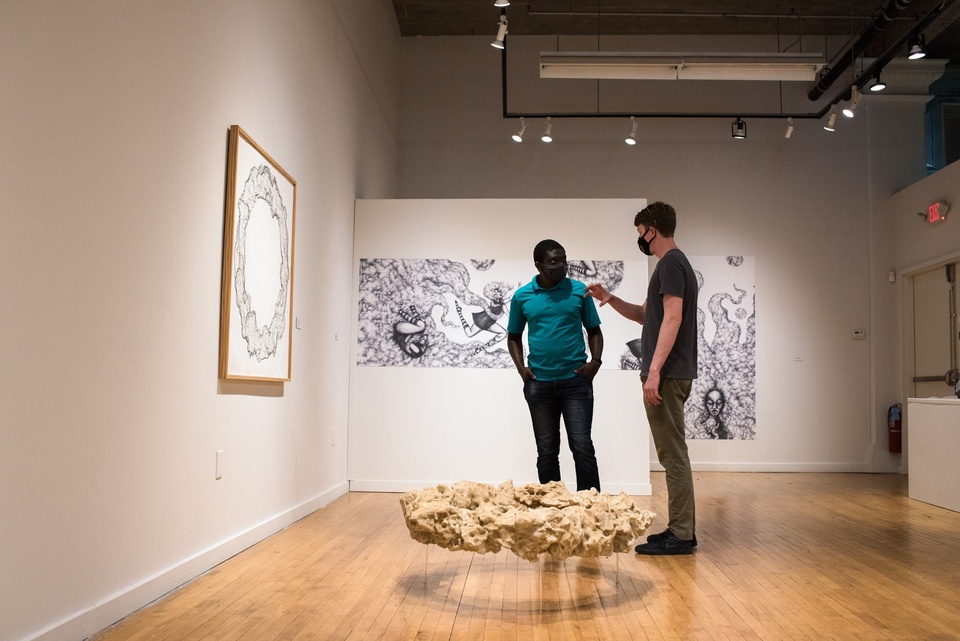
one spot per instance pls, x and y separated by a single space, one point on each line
540 593
503 76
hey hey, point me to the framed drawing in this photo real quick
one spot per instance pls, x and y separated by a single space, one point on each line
256 305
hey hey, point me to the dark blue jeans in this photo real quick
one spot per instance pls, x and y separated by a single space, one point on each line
571 398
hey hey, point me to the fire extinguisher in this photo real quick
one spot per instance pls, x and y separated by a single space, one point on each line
893 428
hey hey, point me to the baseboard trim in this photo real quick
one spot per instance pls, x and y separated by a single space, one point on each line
115 607
633 489
388 486
773 467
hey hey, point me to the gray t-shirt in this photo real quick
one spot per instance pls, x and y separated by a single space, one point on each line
672 275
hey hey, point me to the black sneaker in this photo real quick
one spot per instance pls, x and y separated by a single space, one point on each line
654 538
666 544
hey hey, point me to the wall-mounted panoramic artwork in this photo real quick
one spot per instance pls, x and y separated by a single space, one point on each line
453 313
437 312
257 294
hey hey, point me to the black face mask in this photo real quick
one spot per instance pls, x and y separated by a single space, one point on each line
644 244
555 272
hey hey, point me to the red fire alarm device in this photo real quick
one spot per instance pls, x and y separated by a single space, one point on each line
937 212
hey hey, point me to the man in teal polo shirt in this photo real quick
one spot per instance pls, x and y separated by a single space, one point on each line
557 377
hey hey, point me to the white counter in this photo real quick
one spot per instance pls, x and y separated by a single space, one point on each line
933 451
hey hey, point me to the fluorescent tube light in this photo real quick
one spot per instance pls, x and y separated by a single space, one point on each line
680 66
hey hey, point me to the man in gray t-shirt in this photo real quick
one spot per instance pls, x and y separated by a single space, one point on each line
668 355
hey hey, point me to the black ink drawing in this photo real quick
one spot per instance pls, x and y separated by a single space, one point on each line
722 403
630 358
427 312
405 311
711 421
408 332
488 319
262 342
256 300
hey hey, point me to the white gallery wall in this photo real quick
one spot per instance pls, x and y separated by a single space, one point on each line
920 248
414 427
113 122
920 245
813 210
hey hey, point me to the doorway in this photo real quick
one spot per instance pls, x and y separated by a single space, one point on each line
936 343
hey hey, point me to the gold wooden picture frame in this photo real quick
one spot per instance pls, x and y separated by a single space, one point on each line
256 302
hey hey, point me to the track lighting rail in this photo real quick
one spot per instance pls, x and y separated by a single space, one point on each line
890 11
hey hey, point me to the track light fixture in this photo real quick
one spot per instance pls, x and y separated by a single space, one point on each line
878 85
632 138
832 120
916 47
855 97
789 131
501 3
501 33
518 137
738 129
546 137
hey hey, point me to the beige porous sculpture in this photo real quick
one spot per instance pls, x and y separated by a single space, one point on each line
529 519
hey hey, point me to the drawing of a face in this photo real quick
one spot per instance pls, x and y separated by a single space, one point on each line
713 401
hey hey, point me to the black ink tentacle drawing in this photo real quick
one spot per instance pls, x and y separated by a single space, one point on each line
408 332
722 404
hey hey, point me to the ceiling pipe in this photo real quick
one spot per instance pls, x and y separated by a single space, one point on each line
865 74
895 48
843 60
695 15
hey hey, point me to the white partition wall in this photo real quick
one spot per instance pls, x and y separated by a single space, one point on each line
934 429
413 427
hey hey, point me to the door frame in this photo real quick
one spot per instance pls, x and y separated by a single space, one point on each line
907 336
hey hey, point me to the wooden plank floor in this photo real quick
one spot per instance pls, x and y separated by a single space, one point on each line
781 556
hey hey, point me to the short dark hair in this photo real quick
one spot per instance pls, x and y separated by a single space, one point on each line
658 215
543 247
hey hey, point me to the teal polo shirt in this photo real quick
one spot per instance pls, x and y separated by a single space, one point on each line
555 319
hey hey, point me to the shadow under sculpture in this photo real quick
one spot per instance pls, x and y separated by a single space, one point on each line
529 520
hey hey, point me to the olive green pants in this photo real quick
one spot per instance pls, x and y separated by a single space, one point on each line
666 425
